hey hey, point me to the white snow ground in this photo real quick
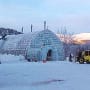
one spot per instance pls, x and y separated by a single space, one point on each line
59 75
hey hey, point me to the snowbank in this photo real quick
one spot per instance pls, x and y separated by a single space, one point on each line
4 58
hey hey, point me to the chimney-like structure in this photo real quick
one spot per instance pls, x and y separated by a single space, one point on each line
22 29
31 27
44 25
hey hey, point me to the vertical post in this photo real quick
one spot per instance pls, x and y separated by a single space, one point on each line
44 25
31 27
22 29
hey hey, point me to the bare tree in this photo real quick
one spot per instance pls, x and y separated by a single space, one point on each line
66 38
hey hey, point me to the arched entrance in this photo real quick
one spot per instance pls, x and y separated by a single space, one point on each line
49 55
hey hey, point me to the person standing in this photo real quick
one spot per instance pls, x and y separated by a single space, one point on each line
70 57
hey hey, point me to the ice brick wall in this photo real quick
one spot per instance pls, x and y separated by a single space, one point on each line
35 45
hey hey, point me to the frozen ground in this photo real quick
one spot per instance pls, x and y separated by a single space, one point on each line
58 75
15 74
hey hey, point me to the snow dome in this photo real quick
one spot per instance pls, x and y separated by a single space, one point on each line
41 45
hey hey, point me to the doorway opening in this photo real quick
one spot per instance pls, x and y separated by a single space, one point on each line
49 55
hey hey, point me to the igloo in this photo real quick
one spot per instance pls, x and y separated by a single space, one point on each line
40 45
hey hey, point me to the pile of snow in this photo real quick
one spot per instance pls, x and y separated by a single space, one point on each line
4 58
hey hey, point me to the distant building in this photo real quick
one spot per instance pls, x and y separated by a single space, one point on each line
41 45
